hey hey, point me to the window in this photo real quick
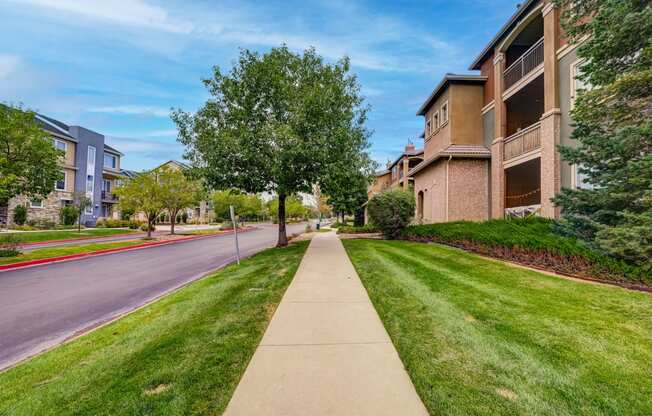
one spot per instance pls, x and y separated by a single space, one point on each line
579 179
435 120
36 203
60 145
89 210
428 128
60 185
106 185
576 83
444 113
90 177
110 161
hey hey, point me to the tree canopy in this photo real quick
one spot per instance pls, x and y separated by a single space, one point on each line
29 163
277 122
613 127
142 194
177 192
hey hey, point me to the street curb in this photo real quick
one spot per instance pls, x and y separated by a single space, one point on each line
71 257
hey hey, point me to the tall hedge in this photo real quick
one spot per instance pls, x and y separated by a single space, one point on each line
391 211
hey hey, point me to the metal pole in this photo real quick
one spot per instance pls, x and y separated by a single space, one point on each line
235 233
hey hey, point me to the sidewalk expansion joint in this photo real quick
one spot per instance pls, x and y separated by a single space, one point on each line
326 344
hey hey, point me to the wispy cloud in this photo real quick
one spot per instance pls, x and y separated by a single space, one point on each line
132 110
8 65
127 12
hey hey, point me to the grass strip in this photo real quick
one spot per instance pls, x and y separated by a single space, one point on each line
182 355
38 236
46 253
478 337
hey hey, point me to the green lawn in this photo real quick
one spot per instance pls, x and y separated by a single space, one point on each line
482 338
36 236
44 253
182 355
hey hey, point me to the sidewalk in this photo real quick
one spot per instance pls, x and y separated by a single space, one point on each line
325 351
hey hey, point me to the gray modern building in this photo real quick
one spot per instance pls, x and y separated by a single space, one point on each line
89 166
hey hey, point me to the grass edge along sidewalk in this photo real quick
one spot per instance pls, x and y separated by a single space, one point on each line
486 338
183 354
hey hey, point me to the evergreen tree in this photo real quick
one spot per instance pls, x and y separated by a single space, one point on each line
613 127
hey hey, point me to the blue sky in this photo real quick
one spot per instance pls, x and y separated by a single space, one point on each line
117 67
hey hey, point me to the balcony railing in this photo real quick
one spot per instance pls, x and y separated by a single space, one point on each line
527 63
108 196
522 142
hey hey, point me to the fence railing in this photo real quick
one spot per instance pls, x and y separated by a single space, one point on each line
109 196
529 61
522 142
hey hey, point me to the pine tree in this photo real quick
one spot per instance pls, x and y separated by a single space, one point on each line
613 127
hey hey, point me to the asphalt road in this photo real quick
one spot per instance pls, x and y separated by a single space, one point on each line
43 306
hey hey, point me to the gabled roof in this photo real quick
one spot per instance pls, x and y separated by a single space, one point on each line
129 173
112 150
381 173
415 152
178 163
502 32
454 150
54 126
444 83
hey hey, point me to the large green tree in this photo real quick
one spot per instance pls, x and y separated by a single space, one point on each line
29 163
613 127
177 192
276 122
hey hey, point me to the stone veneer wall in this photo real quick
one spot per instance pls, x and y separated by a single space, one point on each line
50 211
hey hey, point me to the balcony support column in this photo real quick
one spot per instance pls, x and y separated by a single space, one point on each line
406 168
551 119
500 129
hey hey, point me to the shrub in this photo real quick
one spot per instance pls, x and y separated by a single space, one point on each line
68 215
9 245
134 225
113 223
365 229
143 227
20 214
184 217
42 223
391 210
531 241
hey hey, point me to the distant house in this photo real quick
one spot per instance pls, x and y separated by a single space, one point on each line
200 213
89 166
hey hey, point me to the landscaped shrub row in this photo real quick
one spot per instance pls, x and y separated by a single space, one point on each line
532 242
112 223
365 229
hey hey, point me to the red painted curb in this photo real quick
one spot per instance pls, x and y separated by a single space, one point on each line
32 263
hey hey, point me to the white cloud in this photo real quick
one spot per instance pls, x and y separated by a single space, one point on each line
126 12
8 65
132 110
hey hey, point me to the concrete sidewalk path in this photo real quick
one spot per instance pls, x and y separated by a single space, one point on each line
325 351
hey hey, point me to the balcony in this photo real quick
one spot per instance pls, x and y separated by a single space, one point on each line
109 196
528 62
522 142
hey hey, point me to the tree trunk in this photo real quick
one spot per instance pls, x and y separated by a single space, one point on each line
173 220
282 235
79 221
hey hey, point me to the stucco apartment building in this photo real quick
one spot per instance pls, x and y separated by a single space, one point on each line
89 166
490 139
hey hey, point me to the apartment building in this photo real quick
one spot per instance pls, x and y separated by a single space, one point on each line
530 70
396 173
452 181
89 166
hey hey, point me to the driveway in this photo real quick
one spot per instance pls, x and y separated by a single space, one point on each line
43 306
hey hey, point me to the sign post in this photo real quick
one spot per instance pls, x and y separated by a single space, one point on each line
235 233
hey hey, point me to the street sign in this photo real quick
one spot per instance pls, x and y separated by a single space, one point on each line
235 233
